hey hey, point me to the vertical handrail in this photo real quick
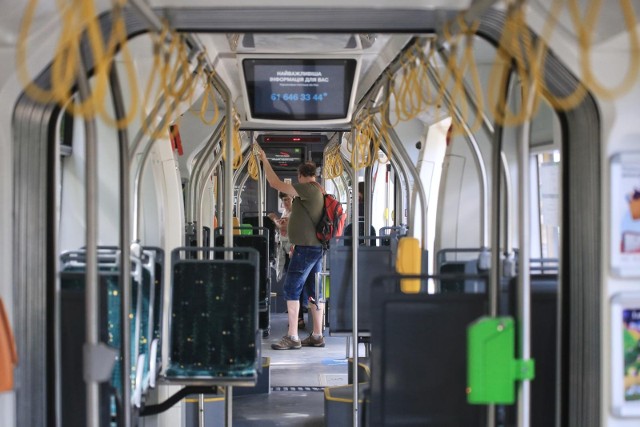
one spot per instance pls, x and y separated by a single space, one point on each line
228 215
200 161
91 236
496 188
203 187
417 183
125 239
524 279
354 274
262 193
220 192
475 149
137 178
240 172
345 166
366 199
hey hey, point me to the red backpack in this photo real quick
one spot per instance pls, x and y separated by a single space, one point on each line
331 222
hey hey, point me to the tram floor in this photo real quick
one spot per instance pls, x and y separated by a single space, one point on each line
298 379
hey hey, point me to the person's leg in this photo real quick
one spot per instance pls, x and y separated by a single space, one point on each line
304 299
293 307
298 270
315 339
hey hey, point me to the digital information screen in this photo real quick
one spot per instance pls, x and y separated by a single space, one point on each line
299 89
284 158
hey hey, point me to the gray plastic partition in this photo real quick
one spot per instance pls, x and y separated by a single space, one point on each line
72 321
429 390
544 347
373 261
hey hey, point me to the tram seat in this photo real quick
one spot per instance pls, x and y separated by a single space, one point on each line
146 288
364 238
462 269
373 261
258 240
153 273
544 324
73 323
390 235
270 225
213 335
428 390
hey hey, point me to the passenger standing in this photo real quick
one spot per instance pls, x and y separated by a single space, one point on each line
306 260
285 247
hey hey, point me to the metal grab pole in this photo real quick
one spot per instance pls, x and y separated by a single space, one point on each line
354 273
240 173
475 149
524 280
524 283
125 235
417 183
92 334
137 178
487 127
201 158
207 175
228 221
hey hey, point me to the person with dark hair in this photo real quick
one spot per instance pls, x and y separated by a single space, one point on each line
348 230
306 260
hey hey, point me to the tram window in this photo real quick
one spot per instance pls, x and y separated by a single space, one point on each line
545 171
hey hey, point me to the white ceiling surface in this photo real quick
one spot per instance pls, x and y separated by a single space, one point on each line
610 21
333 4
373 58
609 25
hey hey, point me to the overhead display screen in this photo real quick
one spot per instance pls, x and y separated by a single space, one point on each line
299 89
284 157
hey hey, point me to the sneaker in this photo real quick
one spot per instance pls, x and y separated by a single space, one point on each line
311 341
286 343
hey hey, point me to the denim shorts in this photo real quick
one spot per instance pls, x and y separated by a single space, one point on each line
303 266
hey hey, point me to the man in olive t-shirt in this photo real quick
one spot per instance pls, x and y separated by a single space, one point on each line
306 260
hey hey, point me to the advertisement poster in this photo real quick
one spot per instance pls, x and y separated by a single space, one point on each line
631 343
625 214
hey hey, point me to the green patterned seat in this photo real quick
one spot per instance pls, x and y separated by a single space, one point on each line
214 317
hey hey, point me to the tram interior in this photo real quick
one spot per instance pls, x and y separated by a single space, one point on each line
467 145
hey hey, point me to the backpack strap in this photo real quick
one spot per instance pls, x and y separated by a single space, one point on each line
320 187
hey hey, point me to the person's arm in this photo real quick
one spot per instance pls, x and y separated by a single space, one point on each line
273 179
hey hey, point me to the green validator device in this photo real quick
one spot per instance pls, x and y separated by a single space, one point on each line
492 368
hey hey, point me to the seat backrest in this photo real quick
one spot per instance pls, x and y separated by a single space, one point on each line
428 390
373 261
259 241
270 225
348 230
214 317
73 323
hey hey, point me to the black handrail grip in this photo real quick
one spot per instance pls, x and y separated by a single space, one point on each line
175 398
